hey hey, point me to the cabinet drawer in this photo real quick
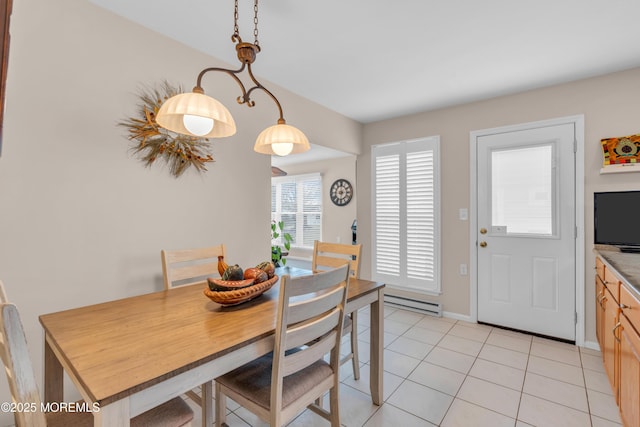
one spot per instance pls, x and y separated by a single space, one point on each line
600 268
612 283
630 307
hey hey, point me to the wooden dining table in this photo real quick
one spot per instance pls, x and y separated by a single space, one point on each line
133 354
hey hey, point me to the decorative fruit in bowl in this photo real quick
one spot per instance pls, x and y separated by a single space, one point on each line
222 265
233 272
268 268
256 274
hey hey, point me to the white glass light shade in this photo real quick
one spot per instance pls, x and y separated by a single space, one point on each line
172 112
277 138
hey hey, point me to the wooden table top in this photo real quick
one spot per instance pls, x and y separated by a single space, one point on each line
120 347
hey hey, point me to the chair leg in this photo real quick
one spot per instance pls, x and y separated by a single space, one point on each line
221 407
334 407
355 360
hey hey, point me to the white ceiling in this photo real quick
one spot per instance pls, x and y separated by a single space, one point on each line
377 59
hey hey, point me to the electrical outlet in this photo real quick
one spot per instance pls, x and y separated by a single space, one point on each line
463 269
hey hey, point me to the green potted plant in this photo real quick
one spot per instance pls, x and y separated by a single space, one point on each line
277 255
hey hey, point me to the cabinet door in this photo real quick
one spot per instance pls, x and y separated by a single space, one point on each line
599 312
629 374
610 346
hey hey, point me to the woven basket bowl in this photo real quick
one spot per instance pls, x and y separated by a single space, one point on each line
240 295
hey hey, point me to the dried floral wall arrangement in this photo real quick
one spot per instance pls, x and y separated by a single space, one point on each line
152 142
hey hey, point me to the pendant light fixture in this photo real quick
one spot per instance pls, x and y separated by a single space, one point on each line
197 114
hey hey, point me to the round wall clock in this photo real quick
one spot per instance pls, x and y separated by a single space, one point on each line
341 192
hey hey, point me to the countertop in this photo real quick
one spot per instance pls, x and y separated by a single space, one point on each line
626 264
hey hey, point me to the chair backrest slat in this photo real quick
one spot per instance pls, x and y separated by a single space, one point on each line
313 306
302 359
194 271
308 331
331 255
196 264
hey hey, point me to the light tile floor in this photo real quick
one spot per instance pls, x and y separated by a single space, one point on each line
443 372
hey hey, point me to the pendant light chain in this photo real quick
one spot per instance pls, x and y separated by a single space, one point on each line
255 23
236 28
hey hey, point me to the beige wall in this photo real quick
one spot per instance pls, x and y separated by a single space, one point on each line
81 221
608 111
336 220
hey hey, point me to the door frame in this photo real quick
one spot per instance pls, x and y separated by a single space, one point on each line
578 123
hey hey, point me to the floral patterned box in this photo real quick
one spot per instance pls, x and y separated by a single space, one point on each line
621 150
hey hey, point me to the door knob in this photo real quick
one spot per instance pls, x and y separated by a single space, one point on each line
483 231
483 244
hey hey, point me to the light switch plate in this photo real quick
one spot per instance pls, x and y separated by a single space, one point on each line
463 213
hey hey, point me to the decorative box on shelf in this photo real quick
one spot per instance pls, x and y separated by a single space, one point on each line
621 154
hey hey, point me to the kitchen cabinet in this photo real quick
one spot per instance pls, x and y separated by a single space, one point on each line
607 316
617 326
608 319
629 358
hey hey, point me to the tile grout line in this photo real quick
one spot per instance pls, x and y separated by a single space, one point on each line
524 379
468 374
584 378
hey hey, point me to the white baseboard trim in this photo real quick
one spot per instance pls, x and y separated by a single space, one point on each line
592 345
457 316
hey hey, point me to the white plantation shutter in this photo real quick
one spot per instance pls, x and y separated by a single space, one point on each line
406 214
312 210
387 202
297 200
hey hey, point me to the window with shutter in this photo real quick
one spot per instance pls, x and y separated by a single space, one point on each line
406 214
297 200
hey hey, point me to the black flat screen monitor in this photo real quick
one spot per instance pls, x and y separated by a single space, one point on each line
617 219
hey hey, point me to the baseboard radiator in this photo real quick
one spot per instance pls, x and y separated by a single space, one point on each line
427 307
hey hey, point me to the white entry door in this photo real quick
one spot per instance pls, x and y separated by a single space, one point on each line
526 230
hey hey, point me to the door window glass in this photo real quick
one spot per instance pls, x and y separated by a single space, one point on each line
523 190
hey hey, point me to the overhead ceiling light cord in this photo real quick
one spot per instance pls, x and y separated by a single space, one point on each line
197 114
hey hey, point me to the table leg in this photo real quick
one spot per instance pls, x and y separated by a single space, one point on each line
377 349
207 404
53 376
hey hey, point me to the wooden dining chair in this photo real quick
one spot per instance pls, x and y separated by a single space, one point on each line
281 384
25 394
331 255
190 267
